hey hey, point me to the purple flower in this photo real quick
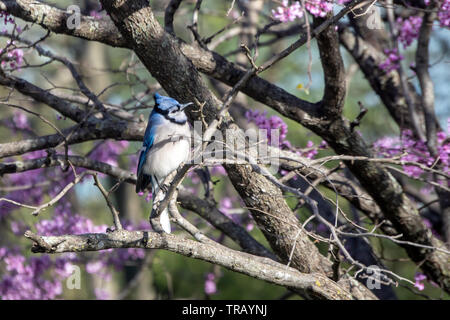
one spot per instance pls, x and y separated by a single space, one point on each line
288 12
20 120
218 171
444 14
14 56
18 228
210 284
95 14
94 266
66 222
310 151
408 29
414 151
226 207
419 278
108 151
273 123
393 60
24 278
318 8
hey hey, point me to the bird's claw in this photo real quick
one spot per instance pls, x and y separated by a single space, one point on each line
110 230
165 188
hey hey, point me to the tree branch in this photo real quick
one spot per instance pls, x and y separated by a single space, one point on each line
312 285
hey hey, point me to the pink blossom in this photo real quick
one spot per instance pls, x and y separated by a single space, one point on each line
20 120
318 8
444 14
288 12
414 150
408 29
270 123
95 14
94 266
311 151
109 151
18 228
210 284
393 60
218 171
23 278
419 278
14 56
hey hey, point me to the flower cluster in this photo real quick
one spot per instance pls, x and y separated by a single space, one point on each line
28 278
41 277
108 151
210 284
444 14
20 120
419 278
310 151
14 56
95 14
264 122
270 123
318 8
64 221
393 60
408 29
286 12
414 151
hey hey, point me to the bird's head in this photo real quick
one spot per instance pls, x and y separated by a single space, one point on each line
170 108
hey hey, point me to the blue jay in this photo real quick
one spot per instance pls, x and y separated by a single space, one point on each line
166 146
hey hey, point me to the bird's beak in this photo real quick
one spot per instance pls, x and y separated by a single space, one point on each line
182 106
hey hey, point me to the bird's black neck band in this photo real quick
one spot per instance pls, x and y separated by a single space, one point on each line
165 113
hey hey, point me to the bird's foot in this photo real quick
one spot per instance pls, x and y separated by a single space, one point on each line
156 225
110 230
165 188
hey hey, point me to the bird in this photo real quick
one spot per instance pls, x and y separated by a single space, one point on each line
165 147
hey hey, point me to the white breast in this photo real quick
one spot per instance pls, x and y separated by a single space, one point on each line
171 147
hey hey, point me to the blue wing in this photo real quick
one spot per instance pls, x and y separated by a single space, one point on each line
143 180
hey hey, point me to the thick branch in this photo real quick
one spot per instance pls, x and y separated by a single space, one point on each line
93 129
313 285
333 70
55 20
26 88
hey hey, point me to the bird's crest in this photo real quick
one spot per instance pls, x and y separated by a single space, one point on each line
164 103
